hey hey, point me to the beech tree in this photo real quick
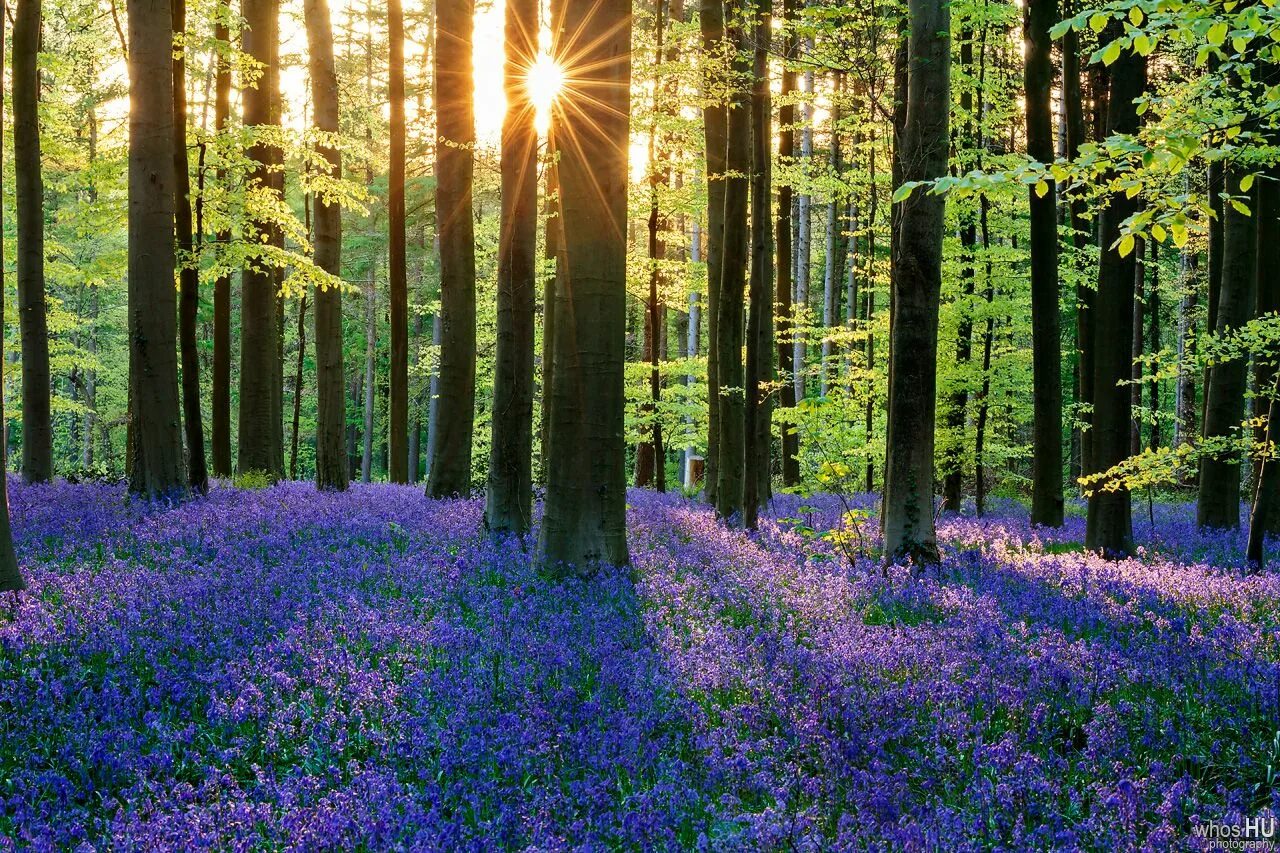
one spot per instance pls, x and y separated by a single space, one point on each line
220 392
37 429
715 122
509 503
907 513
10 575
156 468
584 516
397 274
450 465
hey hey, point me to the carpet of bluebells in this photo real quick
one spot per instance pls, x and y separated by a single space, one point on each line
287 669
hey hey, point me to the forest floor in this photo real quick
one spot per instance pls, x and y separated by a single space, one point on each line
282 668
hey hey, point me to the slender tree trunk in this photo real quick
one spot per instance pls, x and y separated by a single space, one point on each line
397 278
804 243
10 575
220 428
259 336
584 520
189 274
1109 528
730 323
509 504
759 366
297 387
552 241
716 132
451 449
1138 347
1266 498
1155 439
833 268
916 285
1219 503
1073 101
1214 283
370 376
157 468
332 462
786 256
984 389
37 429
1185 422
1046 457
1267 287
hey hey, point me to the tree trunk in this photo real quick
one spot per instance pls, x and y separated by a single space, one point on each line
715 124
804 244
397 277
1138 347
1266 498
584 519
759 366
1219 503
916 285
730 332
370 376
1214 284
1155 438
1267 288
451 448
552 240
1109 528
220 428
157 468
509 502
1080 231
259 326
10 575
1185 422
332 462
189 273
833 268
786 255
988 341
1046 456
37 429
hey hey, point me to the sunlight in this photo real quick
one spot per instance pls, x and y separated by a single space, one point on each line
544 80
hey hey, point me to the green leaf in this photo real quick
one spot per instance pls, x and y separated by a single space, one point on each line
1098 22
1179 235
1158 232
1135 16
1217 34
1042 189
1246 183
1126 246
903 192
1143 45
1241 207
1112 53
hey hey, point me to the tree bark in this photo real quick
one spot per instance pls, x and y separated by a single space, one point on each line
804 244
715 122
451 449
1266 498
730 331
1046 456
189 274
1219 502
1109 527
37 429
220 427
833 268
509 501
1154 437
584 519
157 468
370 374
916 285
759 365
397 276
786 255
1138 347
1267 288
259 325
1186 419
10 575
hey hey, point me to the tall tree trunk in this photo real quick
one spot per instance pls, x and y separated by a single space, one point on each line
1185 421
1046 457
804 242
1138 347
759 366
370 376
730 330
833 268
220 427
332 463
157 468
1073 101
509 503
1214 279
953 468
189 274
715 124
1155 438
1266 498
584 519
1109 528
1219 503
259 325
10 575
984 389
37 429
916 285
297 386
552 240
901 63
786 255
397 277
1267 288
451 448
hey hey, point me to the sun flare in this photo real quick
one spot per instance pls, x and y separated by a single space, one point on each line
544 81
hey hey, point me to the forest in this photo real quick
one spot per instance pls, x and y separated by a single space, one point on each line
640 424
